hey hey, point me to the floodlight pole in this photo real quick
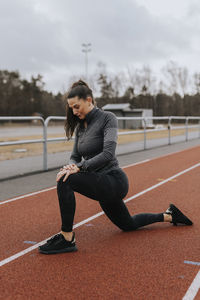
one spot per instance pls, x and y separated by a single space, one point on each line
86 49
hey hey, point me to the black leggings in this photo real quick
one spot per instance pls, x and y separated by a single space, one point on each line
109 189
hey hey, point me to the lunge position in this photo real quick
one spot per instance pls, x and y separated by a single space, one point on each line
93 171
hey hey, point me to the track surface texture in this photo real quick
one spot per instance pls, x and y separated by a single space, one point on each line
149 263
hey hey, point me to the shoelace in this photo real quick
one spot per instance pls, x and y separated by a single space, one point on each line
168 212
54 238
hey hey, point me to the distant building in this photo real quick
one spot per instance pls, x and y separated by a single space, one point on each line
124 110
37 114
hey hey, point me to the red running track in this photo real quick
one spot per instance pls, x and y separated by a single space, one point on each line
110 264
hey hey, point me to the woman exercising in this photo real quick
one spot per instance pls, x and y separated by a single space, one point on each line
94 172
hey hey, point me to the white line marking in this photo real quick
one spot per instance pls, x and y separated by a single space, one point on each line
162 156
27 250
28 195
54 187
30 242
192 262
137 163
162 182
193 289
131 165
13 257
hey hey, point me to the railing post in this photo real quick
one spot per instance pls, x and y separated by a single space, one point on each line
145 135
45 167
186 128
169 131
199 128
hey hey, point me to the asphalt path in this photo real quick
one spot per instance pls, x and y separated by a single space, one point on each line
33 182
15 132
26 165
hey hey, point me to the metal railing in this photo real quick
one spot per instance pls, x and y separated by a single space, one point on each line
186 126
169 128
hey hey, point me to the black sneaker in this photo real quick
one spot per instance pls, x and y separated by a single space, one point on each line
177 216
58 244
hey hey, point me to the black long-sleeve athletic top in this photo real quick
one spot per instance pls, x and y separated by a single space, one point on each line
94 146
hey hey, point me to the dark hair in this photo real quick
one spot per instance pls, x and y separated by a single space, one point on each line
81 90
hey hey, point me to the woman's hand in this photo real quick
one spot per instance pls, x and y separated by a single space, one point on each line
68 170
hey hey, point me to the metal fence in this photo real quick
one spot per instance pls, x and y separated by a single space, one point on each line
145 130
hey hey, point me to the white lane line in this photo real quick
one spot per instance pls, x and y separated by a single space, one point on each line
13 257
163 182
131 165
27 250
193 289
54 187
162 156
28 195
137 163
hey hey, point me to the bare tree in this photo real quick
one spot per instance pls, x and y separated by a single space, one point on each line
142 80
170 72
148 80
117 84
134 79
196 77
177 78
183 79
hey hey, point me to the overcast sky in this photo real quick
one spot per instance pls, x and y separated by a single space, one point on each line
45 36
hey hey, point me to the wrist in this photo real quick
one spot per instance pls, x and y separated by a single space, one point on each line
79 166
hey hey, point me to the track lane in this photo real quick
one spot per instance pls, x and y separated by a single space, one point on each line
106 275
148 263
36 218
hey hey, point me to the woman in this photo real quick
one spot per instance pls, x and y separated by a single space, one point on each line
93 171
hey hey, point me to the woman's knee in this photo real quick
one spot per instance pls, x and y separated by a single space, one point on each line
128 225
71 182
62 184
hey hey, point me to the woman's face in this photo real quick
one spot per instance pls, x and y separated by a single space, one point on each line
80 107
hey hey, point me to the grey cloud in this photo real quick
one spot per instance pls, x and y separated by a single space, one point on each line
46 36
29 41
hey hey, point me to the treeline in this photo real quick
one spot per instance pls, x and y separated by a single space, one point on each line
161 103
178 94
175 92
20 97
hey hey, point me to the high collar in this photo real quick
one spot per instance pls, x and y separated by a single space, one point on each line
91 115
